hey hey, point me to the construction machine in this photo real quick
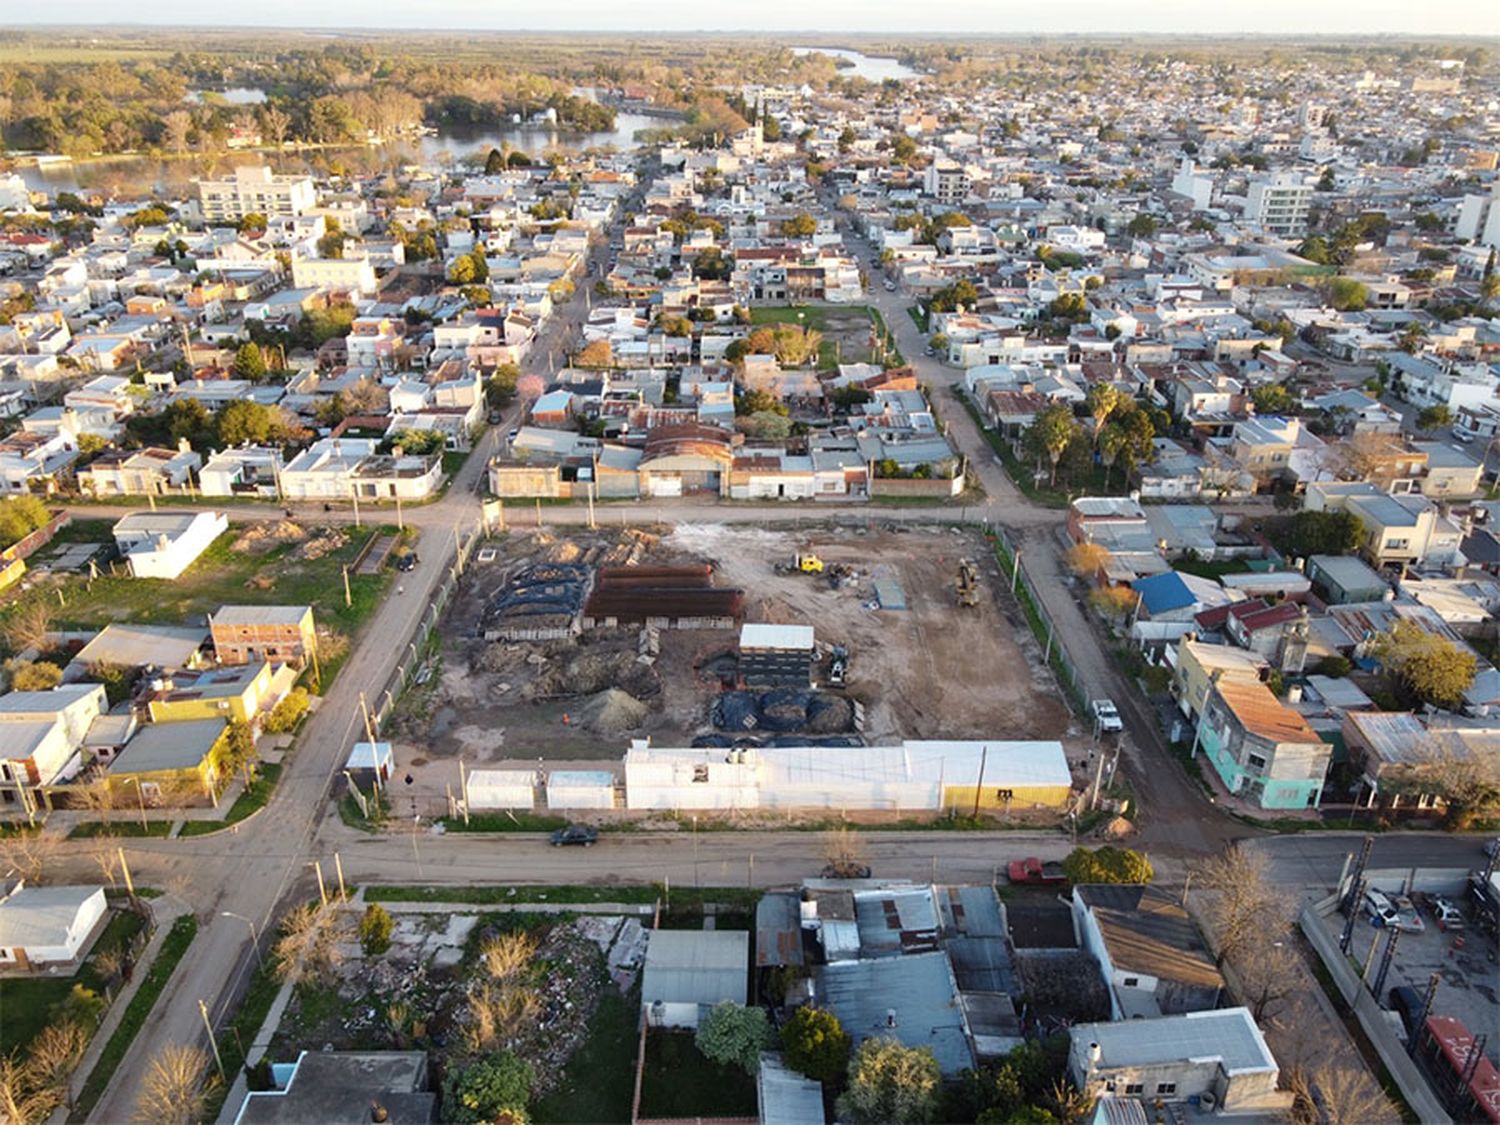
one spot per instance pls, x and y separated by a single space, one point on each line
803 562
967 585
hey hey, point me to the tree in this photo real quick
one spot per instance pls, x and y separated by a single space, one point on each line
950 297
331 242
253 221
903 149
25 1096
1243 902
41 675
1326 181
375 928
481 266
1108 864
494 163
174 1090
487 1090
1049 435
801 225
20 516
249 363
891 1084
1438 417
175 127
844 852
285 716
595 354
1273 398
309 942
1102 400
1087 559
461 272
765 425
29 626
734 1035
939 343
1112 441
1336 1093
1467 783
1320 533
243 422
1347 295
1424 667
814 1043
1142 226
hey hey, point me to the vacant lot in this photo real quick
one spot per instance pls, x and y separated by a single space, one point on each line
846 329
933 670
271 563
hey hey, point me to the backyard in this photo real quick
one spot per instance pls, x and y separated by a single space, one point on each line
680 1082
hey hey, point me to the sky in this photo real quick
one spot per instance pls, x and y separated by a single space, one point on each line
1323 17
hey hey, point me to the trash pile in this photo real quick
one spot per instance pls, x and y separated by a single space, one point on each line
784 711
265 536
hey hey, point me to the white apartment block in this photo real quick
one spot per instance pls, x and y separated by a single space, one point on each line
947 181
253 190
1279 204
352 273
1479 219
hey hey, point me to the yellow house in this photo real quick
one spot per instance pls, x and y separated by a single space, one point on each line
166 759
245 693
995 776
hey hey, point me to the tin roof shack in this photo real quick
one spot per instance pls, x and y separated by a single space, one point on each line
136 646
786 1097
344 1088
663 597
1215 1060
49 925
776 655
912 999
1403 762
689 971
1150 954
1346 580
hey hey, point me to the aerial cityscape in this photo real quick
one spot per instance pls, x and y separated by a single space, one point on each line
604 566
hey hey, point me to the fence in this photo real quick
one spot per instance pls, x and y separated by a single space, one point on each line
1367 1011
1041 623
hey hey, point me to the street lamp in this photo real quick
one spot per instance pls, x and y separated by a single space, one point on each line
254 937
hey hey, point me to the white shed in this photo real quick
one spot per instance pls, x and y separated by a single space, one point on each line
580 789
48 925
502 789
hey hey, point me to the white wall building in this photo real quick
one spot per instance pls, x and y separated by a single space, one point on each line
164 544
1479 219
1279 204
48 925
255 190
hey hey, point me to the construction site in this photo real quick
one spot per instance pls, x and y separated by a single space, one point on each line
562 650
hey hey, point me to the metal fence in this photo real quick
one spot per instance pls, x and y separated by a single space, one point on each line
1053 653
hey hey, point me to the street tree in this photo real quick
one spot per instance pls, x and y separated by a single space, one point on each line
249 363
1107 864
175 1088
1436 417
1087 559
1049 434
1240 900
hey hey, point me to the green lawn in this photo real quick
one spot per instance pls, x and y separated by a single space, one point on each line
220 577
26 1002
173 946
241 1030
1099 481
92 829
680 1082
599 1080
812 316
253 798
500 822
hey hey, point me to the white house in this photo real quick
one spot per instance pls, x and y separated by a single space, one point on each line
164 544
244 471
41 733
48 925
340 468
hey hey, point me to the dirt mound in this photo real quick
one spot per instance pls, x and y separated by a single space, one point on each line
564 552
612 712
1119 828
266 536
324 541
587 673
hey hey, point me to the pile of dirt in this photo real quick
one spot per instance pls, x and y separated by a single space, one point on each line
784 710
261 538
564 552
1120 828
586 673
613 712
324 541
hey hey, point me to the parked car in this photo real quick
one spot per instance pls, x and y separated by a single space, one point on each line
1034 871
890 286
1381 910
575 834
1462 435
1446 914
1407 917
407 562
1106 717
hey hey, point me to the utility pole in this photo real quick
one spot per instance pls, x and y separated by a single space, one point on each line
338 865
984 752
322 889
212 1042
369 727
348 597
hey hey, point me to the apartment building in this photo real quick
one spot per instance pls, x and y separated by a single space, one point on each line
1279 204
252 190
1479 219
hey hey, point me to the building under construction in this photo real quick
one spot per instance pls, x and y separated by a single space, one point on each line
663 597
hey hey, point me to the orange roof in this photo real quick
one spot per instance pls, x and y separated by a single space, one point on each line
1261 713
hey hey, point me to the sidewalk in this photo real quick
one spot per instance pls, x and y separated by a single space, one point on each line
164 912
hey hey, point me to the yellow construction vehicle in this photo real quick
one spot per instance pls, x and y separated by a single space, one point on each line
803 562
968 583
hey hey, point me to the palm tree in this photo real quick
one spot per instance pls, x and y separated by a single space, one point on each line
1112 441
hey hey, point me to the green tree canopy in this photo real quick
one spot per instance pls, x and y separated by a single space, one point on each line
19 517
486 1088
891 1084
1438 417
1320 533
1108 864
801 225
734 1035
814 1043
1347 295
1424 667
250 363
1049 434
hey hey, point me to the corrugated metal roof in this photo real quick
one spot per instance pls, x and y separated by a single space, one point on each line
912 999
696 966
1228 1034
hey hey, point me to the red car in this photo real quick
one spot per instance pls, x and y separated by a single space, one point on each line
1034 871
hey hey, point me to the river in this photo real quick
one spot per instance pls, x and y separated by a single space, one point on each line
138 174
869 67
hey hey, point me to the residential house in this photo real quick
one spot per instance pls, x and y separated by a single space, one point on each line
682 459
344 1088
164 544
1150 954
1401 758
1197 665
1345 580
41 734
1263 751
687 972
41 927
140 472
344 467
243 693
244 471
168 761
1211 1061
124 645
249 634
1176 596
912 998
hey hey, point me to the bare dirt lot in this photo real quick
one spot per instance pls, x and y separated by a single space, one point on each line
932 670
